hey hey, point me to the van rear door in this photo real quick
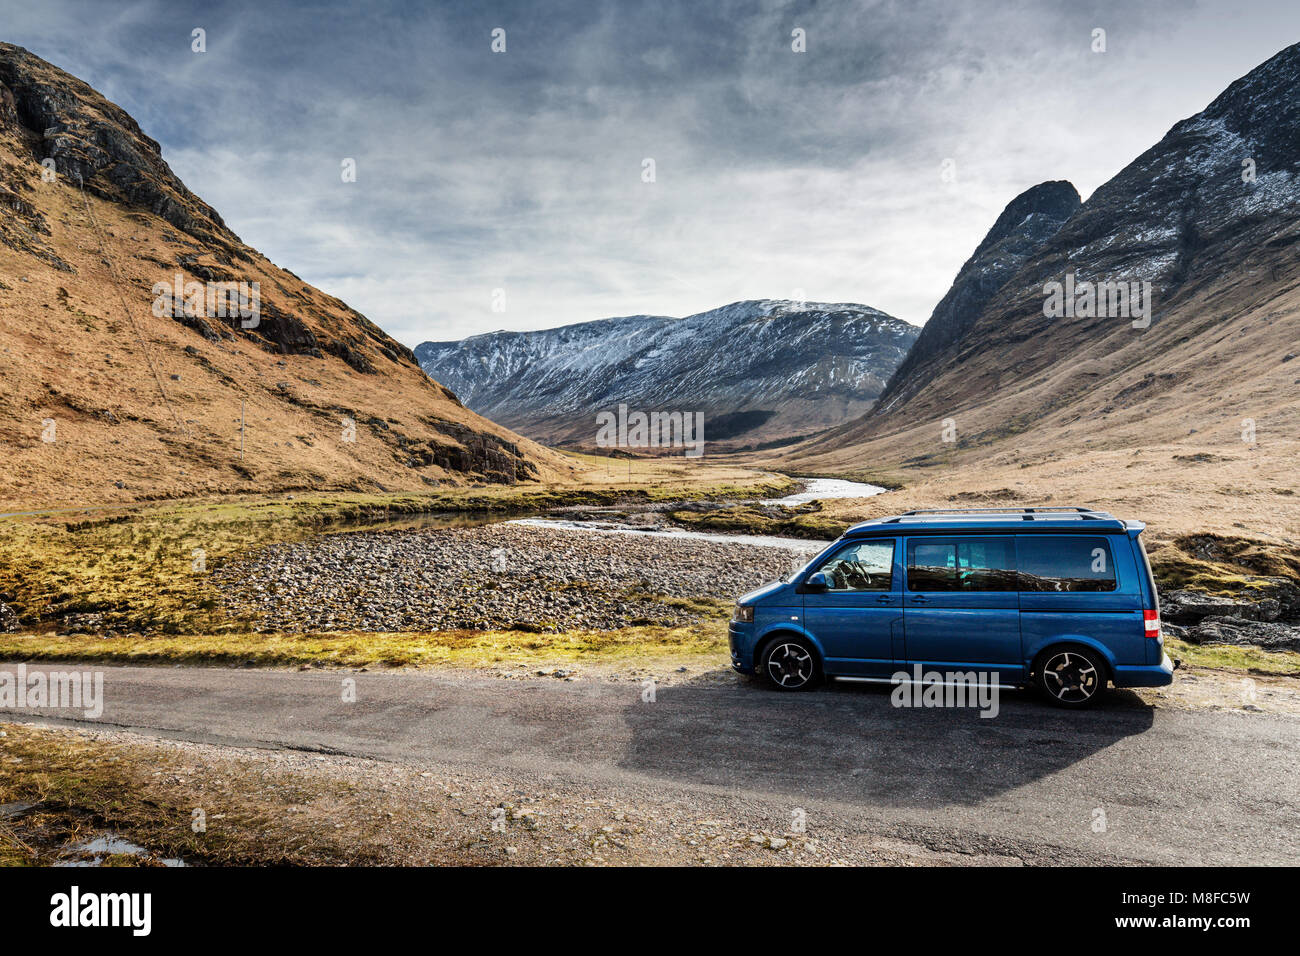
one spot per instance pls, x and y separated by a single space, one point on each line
1081 586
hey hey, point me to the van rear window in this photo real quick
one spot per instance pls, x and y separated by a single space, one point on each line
1065 562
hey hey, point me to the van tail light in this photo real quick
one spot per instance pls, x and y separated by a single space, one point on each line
1151 622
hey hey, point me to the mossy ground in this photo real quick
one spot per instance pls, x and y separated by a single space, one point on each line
1230 657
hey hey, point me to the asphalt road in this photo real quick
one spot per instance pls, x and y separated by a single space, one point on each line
1175 785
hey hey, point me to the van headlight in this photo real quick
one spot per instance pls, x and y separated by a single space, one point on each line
742 614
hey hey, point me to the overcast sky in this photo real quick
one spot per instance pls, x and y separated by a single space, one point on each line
777 174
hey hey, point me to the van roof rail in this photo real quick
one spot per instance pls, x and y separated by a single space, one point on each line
1031 509
1028 513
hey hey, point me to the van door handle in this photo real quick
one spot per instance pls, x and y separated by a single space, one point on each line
920 599
885 599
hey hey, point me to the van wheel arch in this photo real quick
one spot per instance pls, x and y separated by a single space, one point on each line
1076 646
761 647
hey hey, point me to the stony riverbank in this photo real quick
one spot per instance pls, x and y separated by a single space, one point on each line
496 576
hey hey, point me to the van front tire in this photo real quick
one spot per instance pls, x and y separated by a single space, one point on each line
790 663
1071 676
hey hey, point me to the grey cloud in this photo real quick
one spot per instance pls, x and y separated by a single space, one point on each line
775 171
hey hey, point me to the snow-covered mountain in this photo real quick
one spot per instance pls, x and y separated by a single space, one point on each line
758 370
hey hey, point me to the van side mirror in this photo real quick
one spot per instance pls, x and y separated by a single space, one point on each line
818 581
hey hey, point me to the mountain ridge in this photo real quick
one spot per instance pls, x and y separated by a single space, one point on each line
756 368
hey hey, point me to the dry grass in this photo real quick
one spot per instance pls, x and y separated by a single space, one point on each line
704 642
81 786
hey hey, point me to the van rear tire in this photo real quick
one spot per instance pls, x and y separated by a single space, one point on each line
1071 676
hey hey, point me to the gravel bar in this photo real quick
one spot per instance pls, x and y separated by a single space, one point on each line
490 577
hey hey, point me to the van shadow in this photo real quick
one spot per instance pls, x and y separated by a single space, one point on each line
847 741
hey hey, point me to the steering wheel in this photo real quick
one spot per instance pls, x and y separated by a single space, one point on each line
858 576
847 575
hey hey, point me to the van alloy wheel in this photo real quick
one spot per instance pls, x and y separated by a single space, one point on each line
1071 677
790 666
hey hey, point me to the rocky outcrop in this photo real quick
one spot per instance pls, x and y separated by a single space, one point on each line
1026 223
475 452
1269 636
8 619
95 142
1271 621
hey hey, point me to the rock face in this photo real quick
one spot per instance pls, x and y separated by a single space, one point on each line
1271 621
8 619
95 142
757 370
92 221
1028 221
1209 217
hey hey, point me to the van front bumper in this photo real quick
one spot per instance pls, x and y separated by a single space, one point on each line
740 638
1151 675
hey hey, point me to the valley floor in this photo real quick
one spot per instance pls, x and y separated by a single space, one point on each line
510 732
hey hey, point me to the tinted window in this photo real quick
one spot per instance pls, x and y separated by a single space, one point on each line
961 564
1066 563
864 566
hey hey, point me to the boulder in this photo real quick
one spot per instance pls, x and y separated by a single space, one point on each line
1267 635
1191 607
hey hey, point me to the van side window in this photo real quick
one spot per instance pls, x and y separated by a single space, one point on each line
962 564
865 566
1066 562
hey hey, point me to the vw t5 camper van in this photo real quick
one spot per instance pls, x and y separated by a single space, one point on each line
1060 598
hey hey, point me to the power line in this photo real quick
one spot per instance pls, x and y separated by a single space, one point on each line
117 284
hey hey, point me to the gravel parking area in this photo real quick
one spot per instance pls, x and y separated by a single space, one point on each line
494 576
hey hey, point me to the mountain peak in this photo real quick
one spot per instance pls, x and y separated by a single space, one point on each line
96 143
1027 221
1055 199
1263 108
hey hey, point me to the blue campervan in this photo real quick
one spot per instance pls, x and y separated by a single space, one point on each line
1059 598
